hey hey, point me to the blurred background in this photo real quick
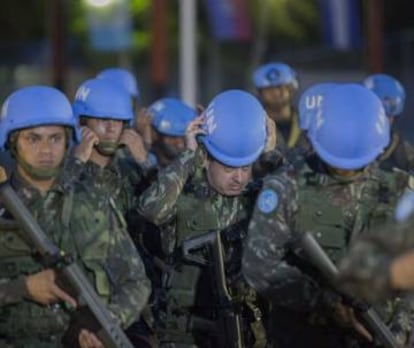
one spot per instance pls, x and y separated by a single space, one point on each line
195 48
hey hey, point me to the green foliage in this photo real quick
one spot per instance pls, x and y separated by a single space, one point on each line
287 20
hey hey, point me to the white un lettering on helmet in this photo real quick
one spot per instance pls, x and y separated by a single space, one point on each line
381 123
313 101
82 93
4 109
210 119
319 120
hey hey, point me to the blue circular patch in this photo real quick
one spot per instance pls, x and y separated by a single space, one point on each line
267 201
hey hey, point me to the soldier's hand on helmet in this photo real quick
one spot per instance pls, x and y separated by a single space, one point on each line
41 288
271 135
89 340
200 109
193 129
142 124
135 144
84 149
345 316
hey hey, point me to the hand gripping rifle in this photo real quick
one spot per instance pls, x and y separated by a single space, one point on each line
321 261
89 304
229 321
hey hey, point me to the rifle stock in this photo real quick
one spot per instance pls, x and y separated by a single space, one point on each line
111 335
319 259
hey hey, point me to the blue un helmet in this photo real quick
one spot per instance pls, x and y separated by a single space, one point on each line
350 128
171 116
122 78
309 103
98 98
389 90
275 75
235 123
33 107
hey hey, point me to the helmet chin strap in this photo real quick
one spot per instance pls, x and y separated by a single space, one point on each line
35 173
106 148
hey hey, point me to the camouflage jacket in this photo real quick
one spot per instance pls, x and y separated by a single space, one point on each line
365 201
186 177
365 270
121 178
85 223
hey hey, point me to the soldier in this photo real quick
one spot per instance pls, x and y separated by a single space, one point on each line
380 262
334 194
206 189
400 153
169 120
125 80
111 155
37 125
275 85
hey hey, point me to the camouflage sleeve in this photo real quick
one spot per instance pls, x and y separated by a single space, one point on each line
12 291
131 178
365 270
158 203
132 288
270 231
72 170
106 252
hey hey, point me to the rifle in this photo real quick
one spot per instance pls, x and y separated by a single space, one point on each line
319 259
229 318
88 301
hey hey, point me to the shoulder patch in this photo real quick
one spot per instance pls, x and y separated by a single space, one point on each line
267 201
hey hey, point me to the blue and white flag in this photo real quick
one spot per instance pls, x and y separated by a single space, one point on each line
341 23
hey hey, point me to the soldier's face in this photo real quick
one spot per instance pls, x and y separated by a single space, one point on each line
228 181
171 146
43 148
107 130
275 97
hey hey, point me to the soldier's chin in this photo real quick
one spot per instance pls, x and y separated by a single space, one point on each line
106 148
43 174
232 191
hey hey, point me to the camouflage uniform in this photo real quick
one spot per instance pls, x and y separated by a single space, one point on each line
365 270
399 154
182 202
121 178
335 210
86 224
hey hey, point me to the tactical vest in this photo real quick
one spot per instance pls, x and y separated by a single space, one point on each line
194 216
330 211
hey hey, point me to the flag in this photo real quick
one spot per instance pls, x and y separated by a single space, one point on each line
229 19
341 23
